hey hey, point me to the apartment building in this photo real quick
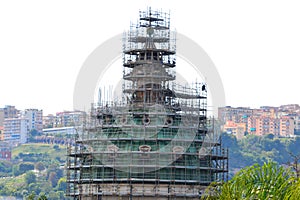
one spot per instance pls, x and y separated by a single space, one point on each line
283 121
69 118
8 112
35 119
16 130
237 115
237 129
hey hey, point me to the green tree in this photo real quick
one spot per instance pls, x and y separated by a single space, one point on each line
42 196
62 184
54 174
30 177
34 187
32 134
61 194
268 181
24 193
56 147
293 146
53 179
25 166
15 170
39 166
294 191
5 167
229 141
54 196
31 196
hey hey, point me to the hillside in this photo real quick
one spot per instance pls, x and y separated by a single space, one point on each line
259 149
35 169
39 152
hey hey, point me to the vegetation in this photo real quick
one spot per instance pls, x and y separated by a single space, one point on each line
261 167
35 152
36 172
269 181
260 149
5 168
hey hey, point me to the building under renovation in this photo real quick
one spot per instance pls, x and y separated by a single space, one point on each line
157 143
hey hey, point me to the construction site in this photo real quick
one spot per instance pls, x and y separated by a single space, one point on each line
155 143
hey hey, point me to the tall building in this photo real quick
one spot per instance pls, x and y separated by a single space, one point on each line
8 112
157 143
35 119
17 124
16 130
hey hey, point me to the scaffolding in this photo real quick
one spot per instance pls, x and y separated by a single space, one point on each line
157 143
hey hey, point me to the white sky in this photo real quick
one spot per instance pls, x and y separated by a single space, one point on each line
255 46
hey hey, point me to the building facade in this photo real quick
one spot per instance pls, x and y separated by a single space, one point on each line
16 130
49 121
280 121
1 133
17 124
8 112
69 118
35 119
237 129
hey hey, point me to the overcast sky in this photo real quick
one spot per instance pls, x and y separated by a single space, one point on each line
255 45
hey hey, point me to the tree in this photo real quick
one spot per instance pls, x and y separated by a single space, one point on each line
268 181
5 166
31 196
56 147
15 170
24 193
53 179
30 177
269 136
229 141
54 167
39 166
54 196
36 187
42 196
293 147
294 191
295 164
26 166
61 194
62 184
